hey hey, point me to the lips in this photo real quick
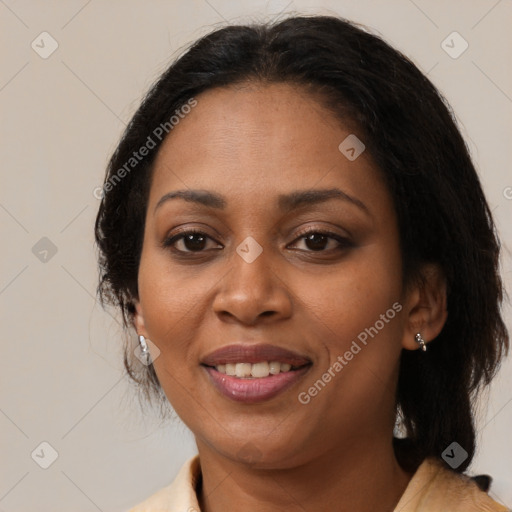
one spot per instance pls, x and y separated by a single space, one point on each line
285 369
254 354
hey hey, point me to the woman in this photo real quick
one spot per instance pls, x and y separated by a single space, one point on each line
294 228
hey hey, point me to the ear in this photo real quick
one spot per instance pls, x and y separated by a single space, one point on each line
425 309
138 320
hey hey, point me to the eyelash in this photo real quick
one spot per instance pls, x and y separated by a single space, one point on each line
343 242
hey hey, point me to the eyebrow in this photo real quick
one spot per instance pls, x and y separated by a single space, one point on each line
286 202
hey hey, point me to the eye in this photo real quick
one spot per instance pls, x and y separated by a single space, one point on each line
195 241
322 241
189 241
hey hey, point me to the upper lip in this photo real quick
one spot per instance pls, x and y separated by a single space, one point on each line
241 353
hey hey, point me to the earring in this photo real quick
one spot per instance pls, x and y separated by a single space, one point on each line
421 342
144 350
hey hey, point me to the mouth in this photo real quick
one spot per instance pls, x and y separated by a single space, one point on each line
255 370
254 373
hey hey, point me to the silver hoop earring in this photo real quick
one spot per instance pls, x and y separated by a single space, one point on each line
421 342
144 349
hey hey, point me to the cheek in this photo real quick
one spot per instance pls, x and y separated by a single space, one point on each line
345 302
168 303
170 319
355 315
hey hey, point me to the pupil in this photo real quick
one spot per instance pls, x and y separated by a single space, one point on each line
194 245
316 241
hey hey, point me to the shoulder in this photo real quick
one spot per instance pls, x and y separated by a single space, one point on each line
435 488
179 495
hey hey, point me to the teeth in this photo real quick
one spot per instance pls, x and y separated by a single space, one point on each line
275 367
243 369
256 370
260 370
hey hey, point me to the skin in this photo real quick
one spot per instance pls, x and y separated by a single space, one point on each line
251 143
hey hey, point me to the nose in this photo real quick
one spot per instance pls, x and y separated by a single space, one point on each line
253 292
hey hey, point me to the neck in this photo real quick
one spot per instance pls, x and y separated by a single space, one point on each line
366 477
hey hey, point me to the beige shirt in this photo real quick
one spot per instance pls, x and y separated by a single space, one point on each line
433 488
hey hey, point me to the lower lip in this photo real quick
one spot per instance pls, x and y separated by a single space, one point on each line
255 390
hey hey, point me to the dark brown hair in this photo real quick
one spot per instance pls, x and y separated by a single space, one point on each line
409 130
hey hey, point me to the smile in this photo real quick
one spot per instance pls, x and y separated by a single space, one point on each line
256 370
255 389
254 373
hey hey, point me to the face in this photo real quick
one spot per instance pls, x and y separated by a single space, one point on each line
270 254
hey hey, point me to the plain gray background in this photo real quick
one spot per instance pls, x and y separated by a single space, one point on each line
62 379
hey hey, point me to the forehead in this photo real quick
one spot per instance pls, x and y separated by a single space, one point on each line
246 117
261 139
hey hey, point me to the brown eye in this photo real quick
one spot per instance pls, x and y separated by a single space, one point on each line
194 242
188 241
316 241
321 241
